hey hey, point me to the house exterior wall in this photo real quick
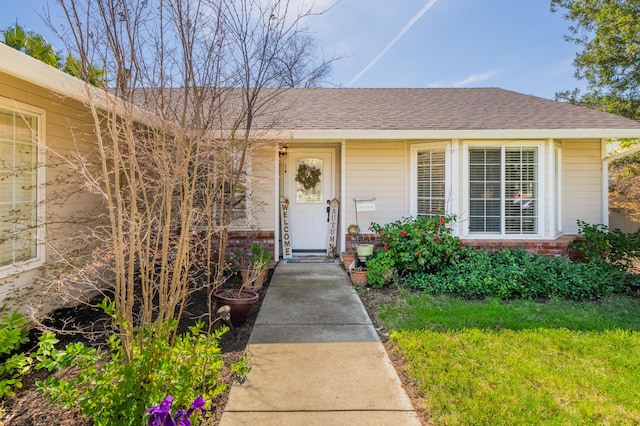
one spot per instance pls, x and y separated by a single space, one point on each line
376 169
263 184
380 169
569 191
581 183
65 131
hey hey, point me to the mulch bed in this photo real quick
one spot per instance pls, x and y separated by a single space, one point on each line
31 408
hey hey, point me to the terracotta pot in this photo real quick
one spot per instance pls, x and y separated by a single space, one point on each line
347 258
260 279
359 278
240 302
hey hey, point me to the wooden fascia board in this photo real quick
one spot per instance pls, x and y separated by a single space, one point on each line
452 134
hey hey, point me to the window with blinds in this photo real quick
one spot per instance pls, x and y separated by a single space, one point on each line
503 190
484 190
18 187
521 190
430 182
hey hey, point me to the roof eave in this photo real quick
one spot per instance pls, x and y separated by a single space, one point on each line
338 134
35 72
30 70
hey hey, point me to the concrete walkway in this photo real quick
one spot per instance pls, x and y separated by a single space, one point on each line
316 358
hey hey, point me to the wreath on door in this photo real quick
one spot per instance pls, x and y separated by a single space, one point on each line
308 176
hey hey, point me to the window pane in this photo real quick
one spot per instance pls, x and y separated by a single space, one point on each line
18 187
509 189
25 156
493 172
476 224
437 205
521 183
437 190
493 224
6 127
307 169
431 181
484 189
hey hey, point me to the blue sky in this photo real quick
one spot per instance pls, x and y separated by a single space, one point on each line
513 44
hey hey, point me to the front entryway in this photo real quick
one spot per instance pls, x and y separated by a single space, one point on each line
309 196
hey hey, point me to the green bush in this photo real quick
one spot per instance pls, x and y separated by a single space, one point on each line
412 245
112 390
599 245
14 364
516 274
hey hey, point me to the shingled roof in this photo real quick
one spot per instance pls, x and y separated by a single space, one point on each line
436 109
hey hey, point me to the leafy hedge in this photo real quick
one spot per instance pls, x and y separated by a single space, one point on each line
516 274
601 245
412 245
421 253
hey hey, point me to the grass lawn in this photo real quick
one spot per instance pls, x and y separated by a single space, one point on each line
521 363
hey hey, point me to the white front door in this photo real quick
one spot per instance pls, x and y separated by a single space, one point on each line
308 202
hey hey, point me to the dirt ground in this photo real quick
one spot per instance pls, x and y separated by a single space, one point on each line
30 408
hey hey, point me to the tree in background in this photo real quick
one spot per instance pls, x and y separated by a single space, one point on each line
624 186
33 44
609 33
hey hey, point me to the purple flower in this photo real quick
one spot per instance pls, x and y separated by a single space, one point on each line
164 407
160 415
198 403
182 418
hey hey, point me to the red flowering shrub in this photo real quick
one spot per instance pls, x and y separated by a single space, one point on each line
412 244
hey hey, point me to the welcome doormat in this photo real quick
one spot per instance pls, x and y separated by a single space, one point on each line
312 259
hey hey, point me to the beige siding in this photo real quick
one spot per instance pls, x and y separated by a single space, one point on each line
380 170
581 183
66 127
262 177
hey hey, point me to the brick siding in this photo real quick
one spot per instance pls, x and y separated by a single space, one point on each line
556 247
240 241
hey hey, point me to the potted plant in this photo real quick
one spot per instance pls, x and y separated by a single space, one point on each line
241 300
359 276
255 273
348 257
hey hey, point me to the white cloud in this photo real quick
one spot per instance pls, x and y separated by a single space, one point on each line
475 78
467 81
